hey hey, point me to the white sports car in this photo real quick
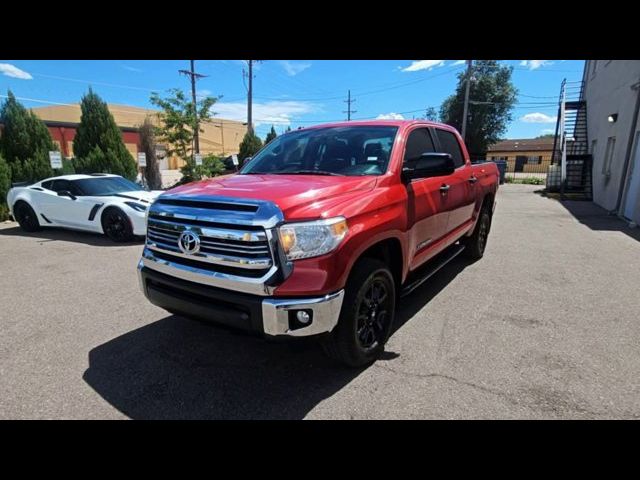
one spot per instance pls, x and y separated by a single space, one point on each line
101 203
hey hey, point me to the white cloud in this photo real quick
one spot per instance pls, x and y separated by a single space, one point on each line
534 64
130 68
390 116
276 112
458 62
204 93
538 117
12 71
294 69
417 65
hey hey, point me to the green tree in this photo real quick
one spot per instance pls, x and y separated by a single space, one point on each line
271 135
288 129
492 96
250 144
546 135
5 185
178 120
98 145
431 114
25 142
148 144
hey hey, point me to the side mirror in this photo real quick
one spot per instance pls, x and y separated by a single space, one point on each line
67 193
429 165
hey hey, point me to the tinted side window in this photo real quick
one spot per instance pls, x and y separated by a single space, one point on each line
47 185
419 142
449 144
64 185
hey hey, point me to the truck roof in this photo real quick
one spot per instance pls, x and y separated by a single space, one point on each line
367 123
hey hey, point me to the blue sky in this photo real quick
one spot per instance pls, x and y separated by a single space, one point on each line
291 92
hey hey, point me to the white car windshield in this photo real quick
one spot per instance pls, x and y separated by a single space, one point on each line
105 186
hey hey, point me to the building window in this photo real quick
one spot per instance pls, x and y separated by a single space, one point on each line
608 156
534 160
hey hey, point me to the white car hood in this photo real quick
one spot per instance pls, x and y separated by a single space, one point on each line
140 195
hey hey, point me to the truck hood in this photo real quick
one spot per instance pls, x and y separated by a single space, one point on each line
288 192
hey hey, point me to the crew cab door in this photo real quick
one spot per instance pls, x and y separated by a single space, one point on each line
64 210
427 207
461 191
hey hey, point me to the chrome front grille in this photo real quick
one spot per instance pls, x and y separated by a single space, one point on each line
237 247
230 247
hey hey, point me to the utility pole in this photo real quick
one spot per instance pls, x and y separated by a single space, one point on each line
348 111
250 95
194 76
466 101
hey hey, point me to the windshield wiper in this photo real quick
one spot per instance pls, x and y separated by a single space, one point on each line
308 172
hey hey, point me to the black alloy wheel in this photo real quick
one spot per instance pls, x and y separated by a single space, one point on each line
373 317
26 217
116 225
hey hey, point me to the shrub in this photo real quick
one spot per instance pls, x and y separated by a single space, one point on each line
5 185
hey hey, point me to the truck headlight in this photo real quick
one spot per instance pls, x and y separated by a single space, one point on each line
311 239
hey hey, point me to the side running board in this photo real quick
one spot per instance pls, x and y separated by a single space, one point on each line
435 264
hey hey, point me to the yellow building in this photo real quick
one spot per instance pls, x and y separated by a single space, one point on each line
220 137
528 155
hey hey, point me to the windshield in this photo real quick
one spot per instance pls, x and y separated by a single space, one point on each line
357 150
106 186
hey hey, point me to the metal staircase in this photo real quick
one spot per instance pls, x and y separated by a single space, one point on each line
570 157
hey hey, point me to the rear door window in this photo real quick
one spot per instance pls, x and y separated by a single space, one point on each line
449 144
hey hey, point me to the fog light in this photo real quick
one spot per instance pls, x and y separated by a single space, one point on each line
303 317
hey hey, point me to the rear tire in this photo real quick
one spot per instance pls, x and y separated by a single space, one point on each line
116 225
366 317
26 217
477 242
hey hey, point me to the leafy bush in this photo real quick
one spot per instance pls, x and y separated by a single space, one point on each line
5 185
526 180
211 167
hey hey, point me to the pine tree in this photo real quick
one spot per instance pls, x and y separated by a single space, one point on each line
98 145
250 144
25 142
271 135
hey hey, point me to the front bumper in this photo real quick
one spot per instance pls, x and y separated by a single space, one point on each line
269 316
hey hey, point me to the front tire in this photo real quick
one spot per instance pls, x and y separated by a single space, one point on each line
116 225
26 217
366 317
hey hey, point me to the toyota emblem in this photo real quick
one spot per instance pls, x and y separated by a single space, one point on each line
189 242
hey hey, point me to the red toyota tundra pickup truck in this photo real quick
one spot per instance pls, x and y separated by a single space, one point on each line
320 233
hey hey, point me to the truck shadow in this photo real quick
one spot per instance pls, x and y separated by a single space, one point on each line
52 234
182 369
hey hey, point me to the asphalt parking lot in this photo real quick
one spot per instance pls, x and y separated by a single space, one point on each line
545 326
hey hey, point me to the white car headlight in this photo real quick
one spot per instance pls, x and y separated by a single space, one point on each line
311 239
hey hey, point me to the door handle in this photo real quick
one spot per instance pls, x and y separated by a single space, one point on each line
473 179
444 188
